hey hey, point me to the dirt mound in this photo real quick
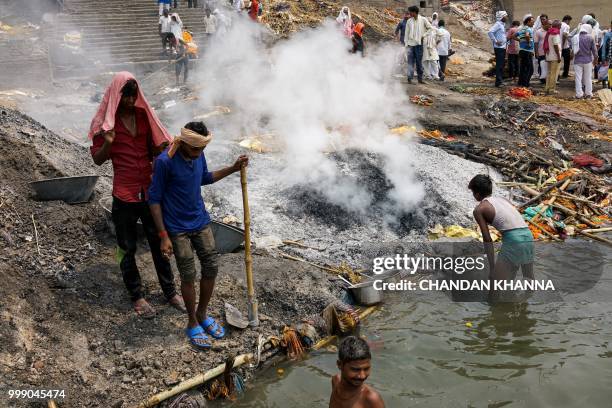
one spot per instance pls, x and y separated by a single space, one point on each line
65 317
285 16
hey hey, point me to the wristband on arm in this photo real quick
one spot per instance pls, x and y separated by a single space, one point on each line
162 234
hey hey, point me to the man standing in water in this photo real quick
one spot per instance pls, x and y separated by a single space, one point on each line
517 240
348 388
126 130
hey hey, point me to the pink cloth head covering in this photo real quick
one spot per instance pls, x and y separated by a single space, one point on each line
104 120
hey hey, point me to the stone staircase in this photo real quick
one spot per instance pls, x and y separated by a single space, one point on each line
115 34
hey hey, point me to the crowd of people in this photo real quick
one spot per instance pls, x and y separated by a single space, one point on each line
539 46
427 43
178 42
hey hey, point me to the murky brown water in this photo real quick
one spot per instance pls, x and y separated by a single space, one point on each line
554 354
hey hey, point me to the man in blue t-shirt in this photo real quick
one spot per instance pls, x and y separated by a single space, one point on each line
183 224
526 50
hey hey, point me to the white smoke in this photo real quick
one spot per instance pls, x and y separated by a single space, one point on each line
317 97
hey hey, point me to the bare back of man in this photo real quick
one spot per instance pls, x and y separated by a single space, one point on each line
346 396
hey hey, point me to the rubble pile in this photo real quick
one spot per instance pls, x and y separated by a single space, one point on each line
288 16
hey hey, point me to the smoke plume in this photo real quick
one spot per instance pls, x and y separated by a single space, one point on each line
316 97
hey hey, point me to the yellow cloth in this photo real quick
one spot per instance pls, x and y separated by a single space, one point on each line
189 137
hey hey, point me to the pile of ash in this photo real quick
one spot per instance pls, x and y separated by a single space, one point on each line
284 210
365 169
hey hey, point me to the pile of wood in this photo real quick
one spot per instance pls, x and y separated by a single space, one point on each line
558 200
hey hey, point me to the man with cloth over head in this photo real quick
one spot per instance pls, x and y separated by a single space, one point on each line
126 131
183 224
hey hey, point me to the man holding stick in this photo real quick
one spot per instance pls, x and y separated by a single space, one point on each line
183 223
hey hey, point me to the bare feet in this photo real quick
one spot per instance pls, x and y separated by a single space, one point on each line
144 309
177 302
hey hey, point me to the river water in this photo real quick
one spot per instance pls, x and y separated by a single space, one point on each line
534 354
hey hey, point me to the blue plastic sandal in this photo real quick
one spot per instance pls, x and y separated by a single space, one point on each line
198 338
213 328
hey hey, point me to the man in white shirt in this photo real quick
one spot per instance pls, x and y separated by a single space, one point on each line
565 45
164 29
540 55
210 22
443 47
416 27
238 5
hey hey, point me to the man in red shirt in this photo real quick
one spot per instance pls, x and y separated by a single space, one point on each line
126 131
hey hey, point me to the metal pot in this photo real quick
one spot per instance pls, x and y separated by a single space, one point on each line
72 190
365 294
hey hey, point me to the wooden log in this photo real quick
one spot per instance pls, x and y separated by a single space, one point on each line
596 230
552 200
595 237
542 194
530 190
573 213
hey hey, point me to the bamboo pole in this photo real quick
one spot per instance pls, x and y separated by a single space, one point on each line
248 259
193 382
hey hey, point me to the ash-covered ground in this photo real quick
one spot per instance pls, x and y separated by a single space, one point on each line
301 212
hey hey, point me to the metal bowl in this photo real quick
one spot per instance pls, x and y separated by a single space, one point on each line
365 294
227 237
72 190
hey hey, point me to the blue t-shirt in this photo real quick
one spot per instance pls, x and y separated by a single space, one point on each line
525 45
176 186
401 29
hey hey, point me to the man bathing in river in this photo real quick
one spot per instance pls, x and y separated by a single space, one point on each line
126 131
183 223
349 389
517 240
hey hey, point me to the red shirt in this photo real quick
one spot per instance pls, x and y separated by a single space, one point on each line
254 11
131 157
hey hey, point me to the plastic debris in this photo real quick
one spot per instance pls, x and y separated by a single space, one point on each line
217 110
422 100
400 130
468 324
520 93
584 160
234 317
169 104
73 38
253 144
451 231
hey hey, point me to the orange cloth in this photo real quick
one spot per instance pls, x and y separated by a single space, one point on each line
359 29
189 137
104 120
